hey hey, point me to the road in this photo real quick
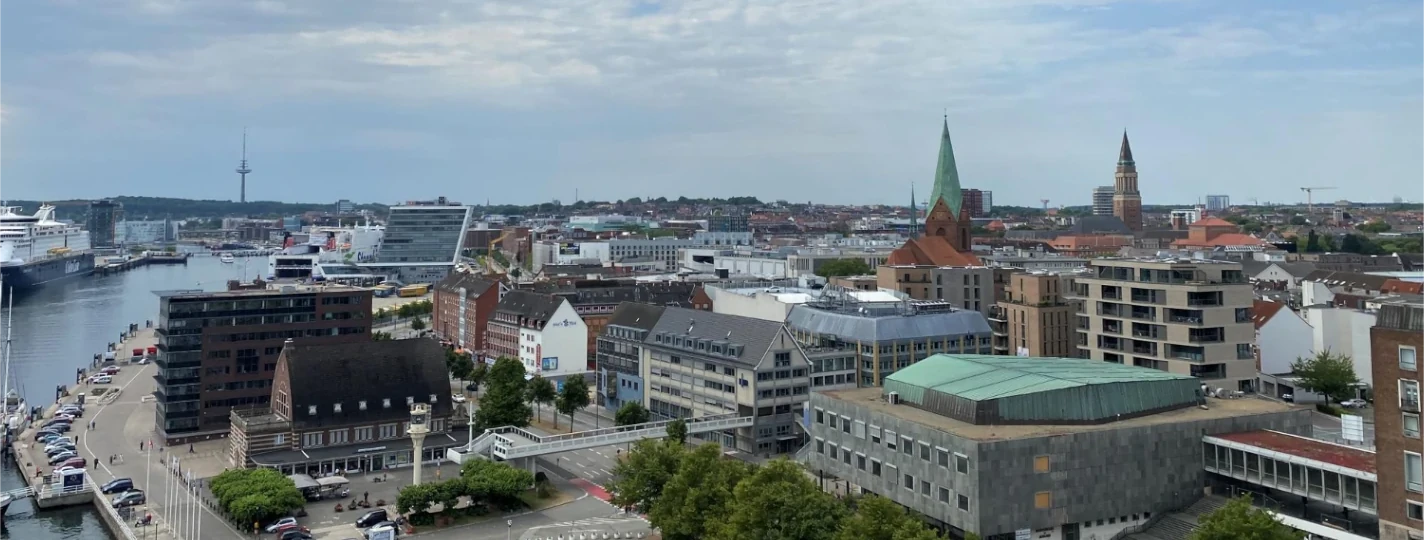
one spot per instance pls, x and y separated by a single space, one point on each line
593 464
1327 428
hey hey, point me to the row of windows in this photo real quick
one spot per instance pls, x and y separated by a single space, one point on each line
312 439
361 405
876 468
905 443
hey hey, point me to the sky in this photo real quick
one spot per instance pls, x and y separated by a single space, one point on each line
834 101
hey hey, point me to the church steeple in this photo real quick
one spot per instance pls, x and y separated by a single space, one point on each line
946 182
1124 154
914 214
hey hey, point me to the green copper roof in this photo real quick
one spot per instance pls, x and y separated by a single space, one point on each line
946 183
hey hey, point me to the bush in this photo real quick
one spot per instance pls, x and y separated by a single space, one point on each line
256 495
421 518
1329 409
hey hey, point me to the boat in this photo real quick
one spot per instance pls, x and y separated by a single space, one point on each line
12 425
227 258
327 254
37 249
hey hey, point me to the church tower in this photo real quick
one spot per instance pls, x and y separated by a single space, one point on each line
1126 201
946 217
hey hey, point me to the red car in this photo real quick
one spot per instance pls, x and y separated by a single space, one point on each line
290 527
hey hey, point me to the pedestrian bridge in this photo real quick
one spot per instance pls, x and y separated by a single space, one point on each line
511 442
1316 470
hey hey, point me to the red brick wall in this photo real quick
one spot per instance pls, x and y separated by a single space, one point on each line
1390 442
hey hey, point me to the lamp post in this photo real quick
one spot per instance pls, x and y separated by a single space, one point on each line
509 529
419 416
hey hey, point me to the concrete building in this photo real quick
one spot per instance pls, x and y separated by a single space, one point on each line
734 222
707 364
1038 263
345 206
1218 203
851 342
423 240
463 305
619 356
977 202
1036 318
1103 201
134 233
217 351
104 217
1190 317
346 407
543 331
1126 200
1044 448
966 287
1342 331
1396 340
1280 333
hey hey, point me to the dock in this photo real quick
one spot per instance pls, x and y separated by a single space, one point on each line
136 262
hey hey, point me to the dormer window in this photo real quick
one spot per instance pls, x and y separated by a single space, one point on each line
361 404
410 400
432 399
386 402
311 410
336 408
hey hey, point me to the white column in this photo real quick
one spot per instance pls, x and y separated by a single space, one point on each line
418 439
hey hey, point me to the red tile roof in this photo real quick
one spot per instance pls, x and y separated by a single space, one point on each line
1334 454
1212 222
1262 311
1223 239
1402 286
931 250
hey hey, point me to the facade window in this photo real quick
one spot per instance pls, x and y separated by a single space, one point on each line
860 461
1413 473
875 467
875 434
964 502
833 452
943 456
361 404
1414 510
944 495
1411 425
845 456
338 436
336 408
924 451
907 445
363 433
1408 359
820 446
909 482
925 488
845 425
310 440
1043 500
1040 464
311 410
890 439
820 416
388 431
961 463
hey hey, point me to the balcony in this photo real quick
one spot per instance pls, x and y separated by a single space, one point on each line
1147 296
1144 348
1112 327
1109 343
1144 313
1147 331
1206 335
1184 316
1179 352
1109 310
1112 293
1211 371
1205 299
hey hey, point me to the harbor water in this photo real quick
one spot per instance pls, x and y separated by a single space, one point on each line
58 329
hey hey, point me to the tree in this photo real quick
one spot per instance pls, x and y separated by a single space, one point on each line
380 336
640 475
1374 227
478 374
495 483
1238 520
1312 242
780 501
503 403
1328 374
844 267
460 364
417 324
677 432
631 413
256 495
699 495
541 392
878 518
572 397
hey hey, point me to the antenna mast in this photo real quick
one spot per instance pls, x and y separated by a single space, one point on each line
242 168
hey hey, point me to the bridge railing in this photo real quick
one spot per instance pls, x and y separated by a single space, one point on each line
589 439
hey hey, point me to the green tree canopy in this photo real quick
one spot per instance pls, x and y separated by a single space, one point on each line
699 495
878 518
1374 227
540 392
479 374
677 432
417 324
459 364
631 413
844 267
503 402
779 501
572 397
1328 374
1238 520
256 495
641 474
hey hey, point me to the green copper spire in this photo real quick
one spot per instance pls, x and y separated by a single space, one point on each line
946 183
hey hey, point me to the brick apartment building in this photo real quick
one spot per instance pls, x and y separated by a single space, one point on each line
217 351
463 305
1395 342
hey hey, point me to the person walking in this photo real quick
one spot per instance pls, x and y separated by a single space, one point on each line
190 448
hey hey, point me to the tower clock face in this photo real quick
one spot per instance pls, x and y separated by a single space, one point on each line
417 419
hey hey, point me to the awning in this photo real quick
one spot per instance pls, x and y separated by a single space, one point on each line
333 481
303 481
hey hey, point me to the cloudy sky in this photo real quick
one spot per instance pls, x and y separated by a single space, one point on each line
832 101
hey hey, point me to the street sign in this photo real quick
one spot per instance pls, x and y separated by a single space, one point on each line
1352 428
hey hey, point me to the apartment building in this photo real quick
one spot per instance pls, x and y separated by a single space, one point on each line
463 305
543 332
966 287
1191 317
698 363
1036 318
1396 340
217 351
619 355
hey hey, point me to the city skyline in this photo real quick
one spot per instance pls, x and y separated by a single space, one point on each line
521 103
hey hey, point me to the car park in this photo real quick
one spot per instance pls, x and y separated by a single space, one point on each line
129 498
62 457
117 485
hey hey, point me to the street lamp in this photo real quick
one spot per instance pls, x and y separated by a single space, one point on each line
509 529
419 416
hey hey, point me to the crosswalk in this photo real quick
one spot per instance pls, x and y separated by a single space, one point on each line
595 521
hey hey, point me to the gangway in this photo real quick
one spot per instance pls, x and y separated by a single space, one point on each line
511 442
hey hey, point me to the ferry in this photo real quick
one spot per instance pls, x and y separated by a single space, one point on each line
227 258
36 249
328 254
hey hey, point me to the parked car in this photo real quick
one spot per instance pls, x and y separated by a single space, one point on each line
45 436
62 427
379 526
66 468
76 462
279 524
472 388
1288 398
371 518
109 370
58 441
117 485
129 498
58 421
294 534
61 444
101 379
1354 403
62 457
291 527
457 398
51 451
72 412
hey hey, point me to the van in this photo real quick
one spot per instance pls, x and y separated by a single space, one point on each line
371 518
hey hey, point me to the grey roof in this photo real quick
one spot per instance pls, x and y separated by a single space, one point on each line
1099 224
1401 317
1353 279
473 284
636 315
1297 269
857 327
324 375
531 305
666 294
755 335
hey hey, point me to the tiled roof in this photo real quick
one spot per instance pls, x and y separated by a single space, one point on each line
1401 286
755 335
324 375
931 250
1262 311
1212 222
1357 280
474 285
531 305
1302 447
1223 239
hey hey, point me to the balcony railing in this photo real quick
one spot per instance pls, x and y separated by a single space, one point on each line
1110 312
1149 350
1205 338
1208 302
1144 315
1146 335
1187 355
1184 320
1147 298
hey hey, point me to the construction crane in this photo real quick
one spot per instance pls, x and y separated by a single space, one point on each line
1309 201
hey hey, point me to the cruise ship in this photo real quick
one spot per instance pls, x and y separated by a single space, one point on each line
37 249
327 254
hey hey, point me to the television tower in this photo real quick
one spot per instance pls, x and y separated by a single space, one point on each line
242 168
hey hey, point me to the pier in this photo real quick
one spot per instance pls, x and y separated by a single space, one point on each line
114 268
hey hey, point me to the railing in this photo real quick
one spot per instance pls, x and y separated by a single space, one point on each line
1207 338
1184 320
600 437
104 506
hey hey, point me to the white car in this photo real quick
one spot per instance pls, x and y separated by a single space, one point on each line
1354 403
457 398
101 379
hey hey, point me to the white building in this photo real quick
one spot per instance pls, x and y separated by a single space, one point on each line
543 331
1280 337
145 232
1343 331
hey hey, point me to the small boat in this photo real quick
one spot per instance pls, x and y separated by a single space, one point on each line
227 258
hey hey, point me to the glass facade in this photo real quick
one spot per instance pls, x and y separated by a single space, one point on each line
424 234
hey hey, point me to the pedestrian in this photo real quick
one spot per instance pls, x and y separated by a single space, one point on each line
190 448
140 446
365 496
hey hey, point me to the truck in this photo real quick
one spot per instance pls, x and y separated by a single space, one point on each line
410 291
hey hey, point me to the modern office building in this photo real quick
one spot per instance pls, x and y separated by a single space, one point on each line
1036 318
1218 203
722 222
851 342
965 287
104 218
977 202
619 356
217 351
1191 317
347 407
543 331
345 206
698 363
463 305
423 240
1395 340
137 233
1009 447
1102 201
